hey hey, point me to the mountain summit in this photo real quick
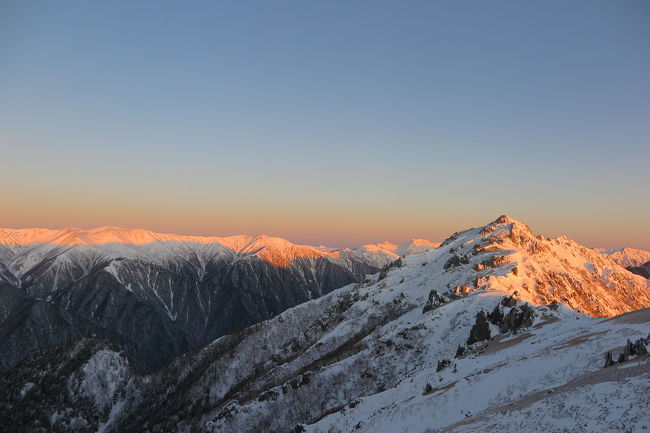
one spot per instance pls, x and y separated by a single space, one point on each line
506 255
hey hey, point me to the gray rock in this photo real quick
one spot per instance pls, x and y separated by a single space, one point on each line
630 348
481 329
640 347
434 301
518 317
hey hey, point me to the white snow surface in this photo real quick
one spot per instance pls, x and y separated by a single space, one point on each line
385 349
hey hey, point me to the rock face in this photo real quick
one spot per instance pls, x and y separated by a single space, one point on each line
152 296
510 316
516 318
481 329
434 301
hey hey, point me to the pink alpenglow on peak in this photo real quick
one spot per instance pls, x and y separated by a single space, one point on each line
414 246
276 251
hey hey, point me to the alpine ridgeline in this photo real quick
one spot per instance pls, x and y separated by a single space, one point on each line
496 330
155 295
635 261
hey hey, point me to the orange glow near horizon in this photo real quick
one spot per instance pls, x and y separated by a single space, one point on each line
350 227
305 219
320 128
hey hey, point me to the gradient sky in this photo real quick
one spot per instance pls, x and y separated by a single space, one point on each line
330 122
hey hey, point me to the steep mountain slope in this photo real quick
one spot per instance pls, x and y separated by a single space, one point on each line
543 270
433 342
155 295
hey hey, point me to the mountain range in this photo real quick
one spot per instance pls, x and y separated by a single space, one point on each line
159 295
635 261
496 329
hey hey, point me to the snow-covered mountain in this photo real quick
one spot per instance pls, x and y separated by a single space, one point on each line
635 261
155 295
22 248
627 256
492 331
414 246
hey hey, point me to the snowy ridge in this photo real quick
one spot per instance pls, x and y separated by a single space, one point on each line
544 270
402 326
414 246
480 334
20 249
126 242
627 256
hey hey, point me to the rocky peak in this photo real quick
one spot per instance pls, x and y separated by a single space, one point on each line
506 255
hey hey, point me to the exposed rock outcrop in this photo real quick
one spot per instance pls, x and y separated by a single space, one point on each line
481 329
434 301
509 316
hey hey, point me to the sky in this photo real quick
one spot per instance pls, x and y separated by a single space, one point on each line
330 122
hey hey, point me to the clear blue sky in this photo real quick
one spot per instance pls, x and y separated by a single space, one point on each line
332 121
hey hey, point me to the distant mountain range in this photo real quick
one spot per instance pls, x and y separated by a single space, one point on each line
636 261
495 330
627 256
159 295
